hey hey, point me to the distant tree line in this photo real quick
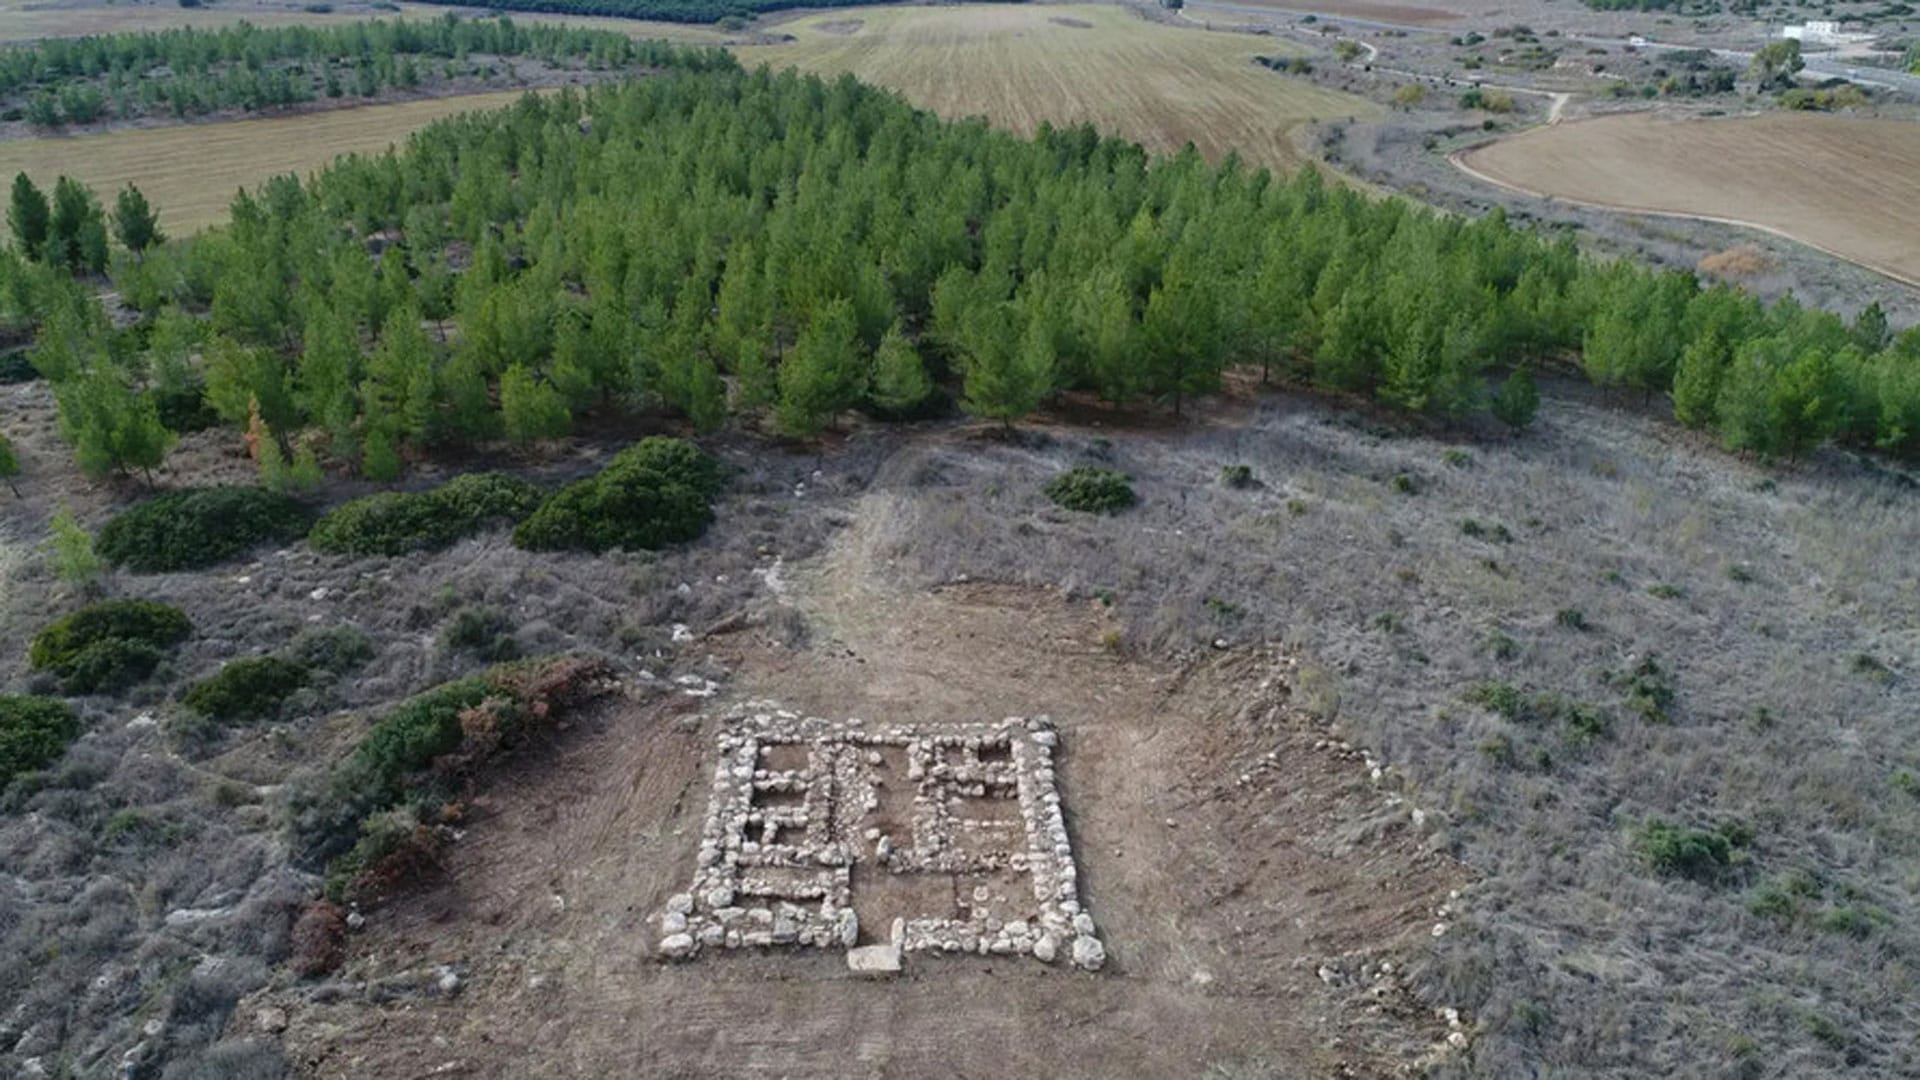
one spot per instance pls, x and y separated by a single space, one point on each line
192 72
683 11
721 243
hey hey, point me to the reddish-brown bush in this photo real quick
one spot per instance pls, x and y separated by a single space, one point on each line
319 939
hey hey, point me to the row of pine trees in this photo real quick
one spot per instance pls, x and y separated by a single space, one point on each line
191 72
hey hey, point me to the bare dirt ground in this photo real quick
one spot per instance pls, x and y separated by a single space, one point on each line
1839 184
1221 901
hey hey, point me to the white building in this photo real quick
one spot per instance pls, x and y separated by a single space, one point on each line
1821 32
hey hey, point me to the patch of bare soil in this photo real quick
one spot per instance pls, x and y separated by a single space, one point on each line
1248 876
1071 24
841 27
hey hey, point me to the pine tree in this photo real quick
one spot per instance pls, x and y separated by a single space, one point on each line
77 231
530 408
1696 382
1870 328
822 376
1517 400
112 428
1009 371
467 411
399 382
706 395
380 454
900 381
328 373
306 474
136 224
29 217
74 560
1111 337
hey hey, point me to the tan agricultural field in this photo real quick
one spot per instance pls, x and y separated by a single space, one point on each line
191 171
1019 65
1842 185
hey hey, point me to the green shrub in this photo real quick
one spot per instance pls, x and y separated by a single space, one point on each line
1851 921
1500 698
16 366
1237 476
1700 854
199 527
1572 619
1478 530
482 631
34 732
395 523
250 688
382 836
335 650
109 646
1092 490
1646 689
656 492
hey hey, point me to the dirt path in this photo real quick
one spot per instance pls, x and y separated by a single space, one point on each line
1229 852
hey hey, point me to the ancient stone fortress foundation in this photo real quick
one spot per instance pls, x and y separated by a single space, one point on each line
883 840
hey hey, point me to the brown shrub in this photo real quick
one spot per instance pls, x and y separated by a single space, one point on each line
411 858
319 939
1744 261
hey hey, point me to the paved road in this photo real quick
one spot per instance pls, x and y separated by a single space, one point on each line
1818 67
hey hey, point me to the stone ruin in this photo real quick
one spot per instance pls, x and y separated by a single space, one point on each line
883 840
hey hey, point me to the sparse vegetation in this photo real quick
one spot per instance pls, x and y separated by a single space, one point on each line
199 527
334 650
109 646
1091 489
482 632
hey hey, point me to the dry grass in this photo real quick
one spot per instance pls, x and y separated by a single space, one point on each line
1744 261
1839 184
192 171
28 20
1018 65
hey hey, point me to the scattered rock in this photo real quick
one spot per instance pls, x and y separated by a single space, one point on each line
874 961
1088 953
